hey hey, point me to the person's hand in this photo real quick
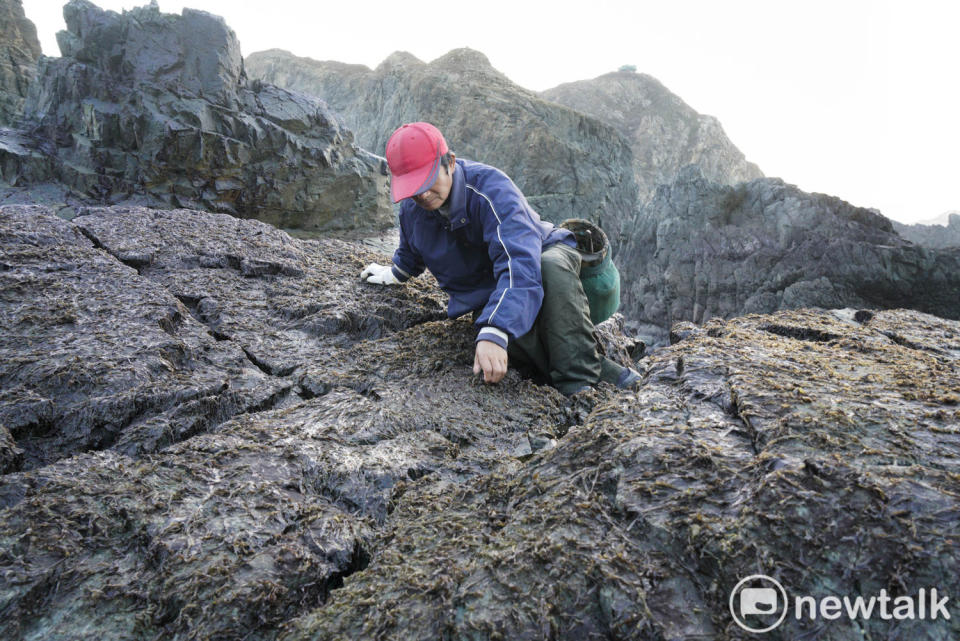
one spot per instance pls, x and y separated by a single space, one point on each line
378 275
492 360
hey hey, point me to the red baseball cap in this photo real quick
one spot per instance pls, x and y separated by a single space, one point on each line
413 153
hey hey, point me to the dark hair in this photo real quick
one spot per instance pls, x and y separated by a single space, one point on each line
445 161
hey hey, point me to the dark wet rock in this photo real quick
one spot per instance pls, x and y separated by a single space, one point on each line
259 516
156 109
185 320
700 250
567 164
933 236
19 52
664 132
92 352
216 540
385 492
829 465
235 532
284 301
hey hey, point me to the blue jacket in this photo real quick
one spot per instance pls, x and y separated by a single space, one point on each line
486 256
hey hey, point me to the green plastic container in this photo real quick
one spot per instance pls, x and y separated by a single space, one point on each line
600 278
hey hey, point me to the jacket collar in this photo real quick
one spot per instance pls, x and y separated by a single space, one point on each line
458 198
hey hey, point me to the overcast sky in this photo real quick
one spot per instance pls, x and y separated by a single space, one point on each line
858 99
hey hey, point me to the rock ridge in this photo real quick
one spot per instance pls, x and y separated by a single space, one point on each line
664 132
701 250
19 53
934 236
567 164
156 109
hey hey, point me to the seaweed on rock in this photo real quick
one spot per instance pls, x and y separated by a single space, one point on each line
349 478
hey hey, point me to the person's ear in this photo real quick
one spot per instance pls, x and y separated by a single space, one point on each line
453 162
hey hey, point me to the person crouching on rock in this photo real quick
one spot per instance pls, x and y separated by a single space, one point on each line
488 249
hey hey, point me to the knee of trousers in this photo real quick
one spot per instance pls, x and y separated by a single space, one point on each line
559 265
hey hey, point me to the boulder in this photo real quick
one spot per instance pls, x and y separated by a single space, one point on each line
701 250
19 52
567 164
664 132
156 109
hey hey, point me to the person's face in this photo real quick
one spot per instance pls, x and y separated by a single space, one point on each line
437 194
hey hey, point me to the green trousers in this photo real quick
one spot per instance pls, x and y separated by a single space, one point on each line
561 346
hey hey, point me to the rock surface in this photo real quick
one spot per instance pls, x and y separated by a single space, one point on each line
700 250
19 52
222 311
568 165
156 109
664 132
304 456
933 236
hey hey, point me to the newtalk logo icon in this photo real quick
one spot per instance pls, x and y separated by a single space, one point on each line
760 604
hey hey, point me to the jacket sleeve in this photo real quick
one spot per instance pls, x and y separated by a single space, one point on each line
514 245
407 262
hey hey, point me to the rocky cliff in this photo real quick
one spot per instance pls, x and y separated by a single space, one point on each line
664 132
935 236
156 108
19 52
700 250
566 163
211 430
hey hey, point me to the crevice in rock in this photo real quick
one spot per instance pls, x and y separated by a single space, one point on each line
267 404
749 430
37 429
171 322
359 561
800 333
41 445
905 342
137 264
192 304
266 368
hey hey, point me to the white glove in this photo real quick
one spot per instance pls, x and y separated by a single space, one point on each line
379 275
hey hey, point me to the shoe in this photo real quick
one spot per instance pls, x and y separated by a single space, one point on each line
629 378
585 388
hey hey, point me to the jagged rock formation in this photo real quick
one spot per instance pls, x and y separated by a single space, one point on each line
664 133
567 164
295 454
933 235
19 52
156 108
700 250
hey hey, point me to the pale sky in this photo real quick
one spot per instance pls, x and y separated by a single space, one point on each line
855 98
